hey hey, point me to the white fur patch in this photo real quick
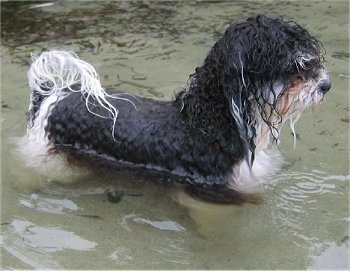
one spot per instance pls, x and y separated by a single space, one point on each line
266 162
34 147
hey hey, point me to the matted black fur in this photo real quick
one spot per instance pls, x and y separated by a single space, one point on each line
198 136
246 63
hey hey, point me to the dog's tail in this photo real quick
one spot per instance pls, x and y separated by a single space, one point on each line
57 72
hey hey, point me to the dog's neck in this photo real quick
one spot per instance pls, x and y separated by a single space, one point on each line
204 107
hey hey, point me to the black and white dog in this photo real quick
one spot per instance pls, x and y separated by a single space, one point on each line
216 135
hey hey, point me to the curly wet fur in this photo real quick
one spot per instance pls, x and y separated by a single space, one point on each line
242 70
209 133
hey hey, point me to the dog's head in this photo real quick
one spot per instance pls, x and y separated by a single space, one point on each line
268 70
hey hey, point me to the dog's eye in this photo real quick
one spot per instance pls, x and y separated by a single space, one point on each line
312 72
313 64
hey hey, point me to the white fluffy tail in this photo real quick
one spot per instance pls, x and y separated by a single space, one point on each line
54 71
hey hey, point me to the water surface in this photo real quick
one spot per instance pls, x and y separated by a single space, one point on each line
149 49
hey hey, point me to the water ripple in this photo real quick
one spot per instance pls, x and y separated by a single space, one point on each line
168 250
173 251
305 205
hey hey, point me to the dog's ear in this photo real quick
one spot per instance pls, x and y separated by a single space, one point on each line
240 107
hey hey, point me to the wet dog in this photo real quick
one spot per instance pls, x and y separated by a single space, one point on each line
217 135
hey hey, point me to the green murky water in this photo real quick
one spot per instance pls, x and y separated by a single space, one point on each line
150 48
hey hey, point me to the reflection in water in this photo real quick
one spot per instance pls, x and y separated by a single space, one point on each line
29 243
49 239
47 204
161 225
336 256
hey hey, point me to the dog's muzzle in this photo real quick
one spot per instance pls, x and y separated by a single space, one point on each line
325 86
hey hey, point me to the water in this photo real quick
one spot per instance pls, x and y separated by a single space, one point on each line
150 48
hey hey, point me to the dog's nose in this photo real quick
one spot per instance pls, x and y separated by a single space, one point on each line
325 86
